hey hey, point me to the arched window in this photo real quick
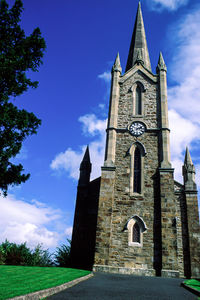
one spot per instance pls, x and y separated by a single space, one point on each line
136 227
137 153
138 101
136 233
137 171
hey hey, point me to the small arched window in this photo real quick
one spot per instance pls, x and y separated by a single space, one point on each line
136 233
136 227
137 171
138 101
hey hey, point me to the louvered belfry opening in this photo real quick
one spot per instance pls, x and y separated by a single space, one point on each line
138 101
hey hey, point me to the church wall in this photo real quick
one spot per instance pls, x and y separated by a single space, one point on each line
84 228
125 203
125 115
103 229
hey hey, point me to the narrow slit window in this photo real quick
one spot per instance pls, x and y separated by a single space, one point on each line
138 101
136 233
137 171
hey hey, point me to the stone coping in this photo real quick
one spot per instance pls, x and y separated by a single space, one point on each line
194 291
48 292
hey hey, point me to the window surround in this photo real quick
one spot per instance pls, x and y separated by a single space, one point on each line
142 226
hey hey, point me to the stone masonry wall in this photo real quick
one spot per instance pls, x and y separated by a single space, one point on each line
155 205
126 205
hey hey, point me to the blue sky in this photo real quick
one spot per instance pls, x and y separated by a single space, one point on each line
83 38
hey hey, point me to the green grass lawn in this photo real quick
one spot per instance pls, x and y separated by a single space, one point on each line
195 284
17 280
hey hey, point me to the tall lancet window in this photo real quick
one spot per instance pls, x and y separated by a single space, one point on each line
138 101
136 233
137 171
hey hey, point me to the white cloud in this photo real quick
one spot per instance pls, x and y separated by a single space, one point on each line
185 67
183 98
166 4
28 222
183 132
70 159
92 125
106 76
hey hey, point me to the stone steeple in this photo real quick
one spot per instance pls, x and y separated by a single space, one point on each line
138 52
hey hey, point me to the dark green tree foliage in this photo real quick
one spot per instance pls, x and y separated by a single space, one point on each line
21 255
41 257
62 255
18 54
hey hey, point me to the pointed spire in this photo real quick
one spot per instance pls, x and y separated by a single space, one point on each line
188 160
117 65
138 44
161 64
85 170
86 164
86 156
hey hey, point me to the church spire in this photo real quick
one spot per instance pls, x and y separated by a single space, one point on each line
85 169
86 157
138 47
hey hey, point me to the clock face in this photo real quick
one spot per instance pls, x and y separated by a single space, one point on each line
137 128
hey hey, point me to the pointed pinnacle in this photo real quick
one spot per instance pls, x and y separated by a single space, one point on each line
86 164
161 64
188 160
117 65
86 156
138 43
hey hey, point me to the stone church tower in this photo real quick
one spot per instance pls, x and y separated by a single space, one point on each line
135 218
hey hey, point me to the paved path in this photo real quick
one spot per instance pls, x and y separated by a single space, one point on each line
111 286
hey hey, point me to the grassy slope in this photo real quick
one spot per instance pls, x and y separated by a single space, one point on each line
17 280
195 284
